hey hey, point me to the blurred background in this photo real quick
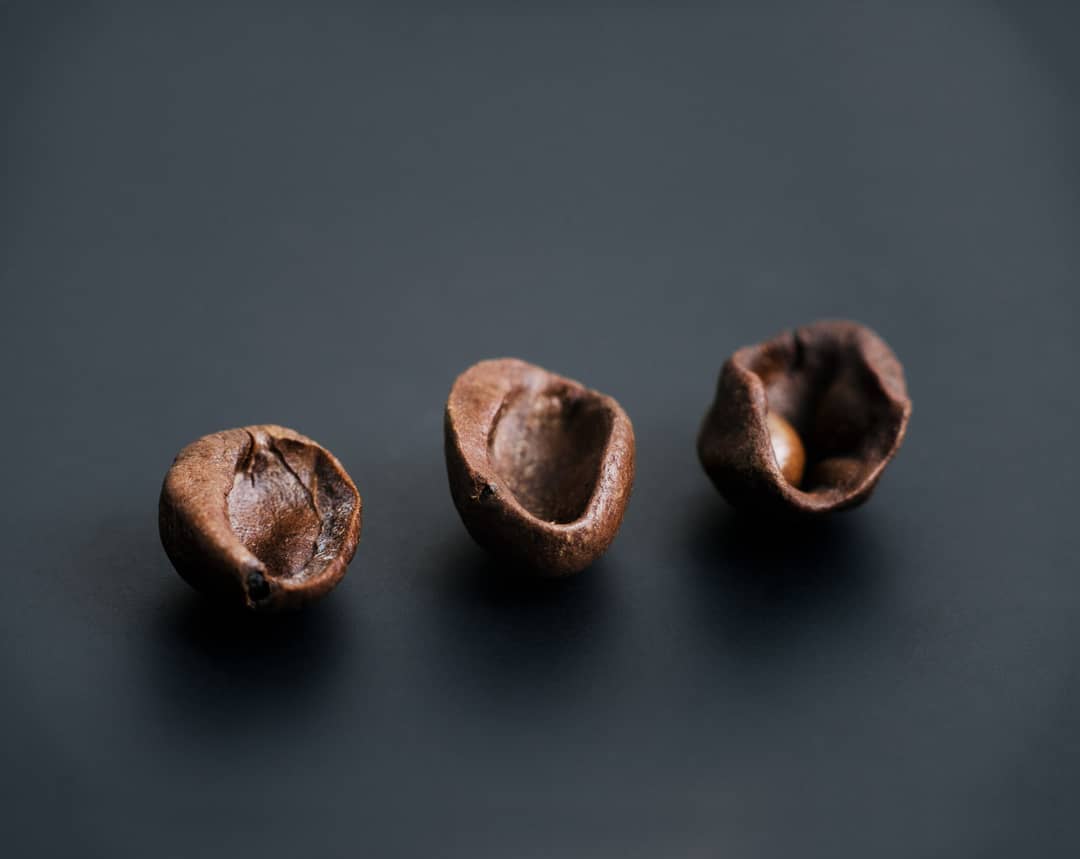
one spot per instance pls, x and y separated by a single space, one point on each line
318 214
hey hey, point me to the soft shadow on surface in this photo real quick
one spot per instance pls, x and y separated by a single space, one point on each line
227 670
516 636
761 584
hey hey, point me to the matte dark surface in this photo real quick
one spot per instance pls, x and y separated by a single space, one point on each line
215 216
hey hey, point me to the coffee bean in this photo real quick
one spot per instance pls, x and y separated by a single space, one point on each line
787 448
840 383
260 516
540 467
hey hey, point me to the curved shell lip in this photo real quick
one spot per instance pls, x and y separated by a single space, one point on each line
596 525
888 377
219 561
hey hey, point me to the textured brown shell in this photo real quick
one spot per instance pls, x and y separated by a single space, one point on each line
237 542
842 389
540 467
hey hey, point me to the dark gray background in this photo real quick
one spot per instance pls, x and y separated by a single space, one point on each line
317 215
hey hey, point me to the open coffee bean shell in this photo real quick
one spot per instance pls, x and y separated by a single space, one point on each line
842 391
260 516
540 467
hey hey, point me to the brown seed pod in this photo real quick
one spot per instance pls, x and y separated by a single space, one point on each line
837 388
540 467
260 516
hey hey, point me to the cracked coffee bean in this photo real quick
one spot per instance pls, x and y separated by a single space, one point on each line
260 516
807 421
540 467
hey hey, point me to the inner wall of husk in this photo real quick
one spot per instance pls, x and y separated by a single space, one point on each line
281 507
547 445
827 394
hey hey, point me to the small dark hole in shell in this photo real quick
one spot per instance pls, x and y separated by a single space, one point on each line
258 587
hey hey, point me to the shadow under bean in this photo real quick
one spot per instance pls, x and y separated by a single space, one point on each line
516 637
229 672
766 584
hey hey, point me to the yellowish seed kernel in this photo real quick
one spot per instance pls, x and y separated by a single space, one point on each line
788 448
